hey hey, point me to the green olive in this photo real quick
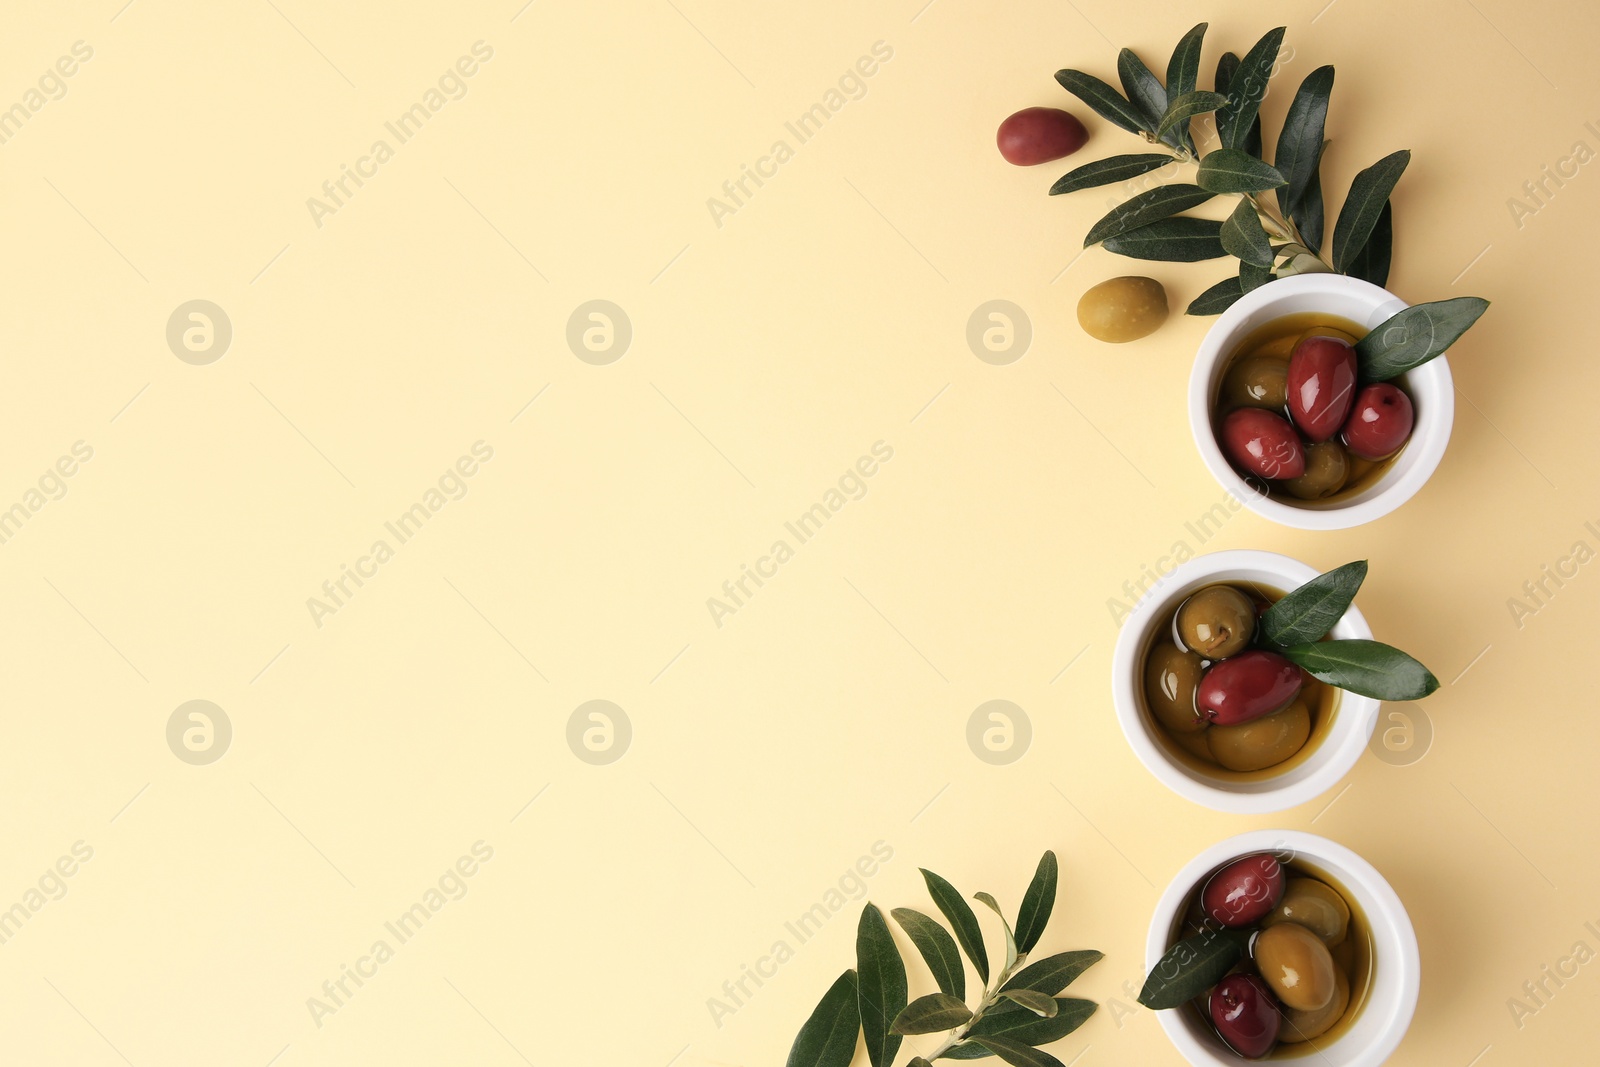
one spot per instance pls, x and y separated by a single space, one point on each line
1305 1025
1296 965
1195 744
1123 309
1216 622
1171 677
1315 905
1327 470
1257 382
1264 742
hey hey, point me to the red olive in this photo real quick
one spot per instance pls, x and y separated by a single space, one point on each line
1263 444
1322 385
1244 891
1380 422
1248 686
1245 1015
1040 134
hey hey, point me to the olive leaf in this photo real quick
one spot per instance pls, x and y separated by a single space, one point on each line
931 1014
938 950
1359 215
1054 973
1037 903
881 985
1371 264
1018 1024
1183 69
1299 147
959 914
1415 335
828 1038
1227 67
1242 235
1180 239
1191 967
1186 107
1230 170
1368 668
1106 101
918 1061
1150 206
1040 1004
1143 90
1217 299
1247 87
1016 1053
1309 612
1011 940
1307 214
1109 170
1252 276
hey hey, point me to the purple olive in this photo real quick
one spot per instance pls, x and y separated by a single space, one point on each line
1263 444
1038 135
1244 891
1322 386
1380 422
1245 1016
1248 686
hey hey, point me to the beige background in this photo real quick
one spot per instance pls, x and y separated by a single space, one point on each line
768 354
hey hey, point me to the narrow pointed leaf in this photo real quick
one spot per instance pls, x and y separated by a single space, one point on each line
1037 903
1370 668
1415 335
1180 239
959 914
1243 236
1371 264
1217 299
1142 88
1149 206
1359 215
1247 87
1054 973
1230 170
1309 612
1016 1023
828 1038
1186 107
1191 967
1109 170
1299 147
1040 1004
1307 214
938 950
918 1061
881 985
931 1014
1183 69
1016 1053
1252 276
1011 940
1106 101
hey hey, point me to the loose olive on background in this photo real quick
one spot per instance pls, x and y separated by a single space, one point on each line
1256 382
1038 135
1243 891
1243 1011
1305 1025
1327 469
1122 309
1216 622
1263 443
1296 966
1171 677
1380 422
1314 905
1248 686
1264 742
1322 386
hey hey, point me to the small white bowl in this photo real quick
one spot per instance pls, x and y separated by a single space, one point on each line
1431 388
1381 1020
1308 777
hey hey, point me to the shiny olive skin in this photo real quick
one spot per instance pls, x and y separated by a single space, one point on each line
1038 135
1243 891
1248 686
1263 444
1171 677
1296 966
1264 742
1322 386
1217 622
1125 309
1256 382
1327 469
1194 744
1314 905
1380 422
1304 1025
1245 1015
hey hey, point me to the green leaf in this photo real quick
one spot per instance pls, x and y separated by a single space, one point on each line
1011 940
1371 264
1300 144
1018 1024
1229 170
959 914
1186 107
1359 215
1054 973
1368 668
1106 101
1307 215
1176 240
1106 171
938 950
1149 206
1040 1004
1217 299
1016 1053
1309 612
1252 276
882 985
1143 90
1037 903
1183 69
828 1038
931 1014
1247 87
918 1061
1416 335
1191 967
1243 236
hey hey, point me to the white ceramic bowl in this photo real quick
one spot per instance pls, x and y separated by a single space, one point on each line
1319 771
1430 386
1381 1021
